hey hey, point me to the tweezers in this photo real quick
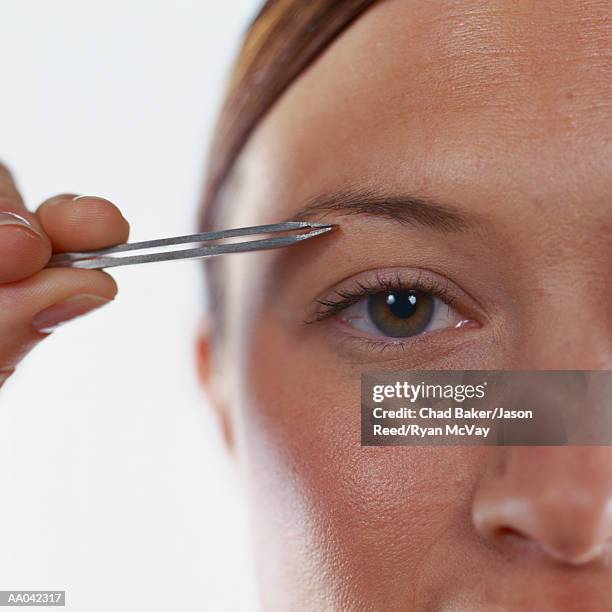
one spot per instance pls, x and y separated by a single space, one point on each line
106 258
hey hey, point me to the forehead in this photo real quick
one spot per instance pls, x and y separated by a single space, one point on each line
443 96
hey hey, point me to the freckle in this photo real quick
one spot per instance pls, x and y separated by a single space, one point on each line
569 95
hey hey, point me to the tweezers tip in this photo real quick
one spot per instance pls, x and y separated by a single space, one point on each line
327 226
317 230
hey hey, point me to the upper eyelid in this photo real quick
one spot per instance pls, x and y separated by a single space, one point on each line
360 290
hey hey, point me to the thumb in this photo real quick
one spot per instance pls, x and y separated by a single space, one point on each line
32 308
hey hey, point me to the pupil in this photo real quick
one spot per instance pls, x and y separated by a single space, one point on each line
402 305
400 314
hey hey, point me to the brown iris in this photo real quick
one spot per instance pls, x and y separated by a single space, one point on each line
401 313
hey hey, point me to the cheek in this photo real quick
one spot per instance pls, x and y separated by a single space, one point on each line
328 512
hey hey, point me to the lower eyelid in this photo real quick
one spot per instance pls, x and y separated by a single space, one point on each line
425 350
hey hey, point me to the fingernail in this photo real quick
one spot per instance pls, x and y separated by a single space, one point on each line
51 318
61 198
10 218
89 197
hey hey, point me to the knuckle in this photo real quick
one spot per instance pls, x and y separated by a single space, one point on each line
5 373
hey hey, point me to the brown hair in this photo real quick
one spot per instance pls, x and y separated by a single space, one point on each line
283 39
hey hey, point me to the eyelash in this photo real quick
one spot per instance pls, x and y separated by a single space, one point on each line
344 298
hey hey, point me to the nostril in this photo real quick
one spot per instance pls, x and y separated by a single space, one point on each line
505 532
511 538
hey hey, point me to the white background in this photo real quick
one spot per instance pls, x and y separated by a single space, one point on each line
114 482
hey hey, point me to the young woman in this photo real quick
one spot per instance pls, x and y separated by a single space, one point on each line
464 150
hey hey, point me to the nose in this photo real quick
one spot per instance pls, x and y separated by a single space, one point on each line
554 503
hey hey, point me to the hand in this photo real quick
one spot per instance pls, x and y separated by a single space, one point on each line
34 300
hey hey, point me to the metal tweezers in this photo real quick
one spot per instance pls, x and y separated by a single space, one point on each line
106 258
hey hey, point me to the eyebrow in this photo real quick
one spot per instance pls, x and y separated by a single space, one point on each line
405 209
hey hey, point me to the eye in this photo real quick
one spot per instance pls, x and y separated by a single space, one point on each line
395 304
400 314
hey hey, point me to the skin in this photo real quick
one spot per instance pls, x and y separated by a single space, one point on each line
501 110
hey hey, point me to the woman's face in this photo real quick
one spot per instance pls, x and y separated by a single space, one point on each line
464 149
